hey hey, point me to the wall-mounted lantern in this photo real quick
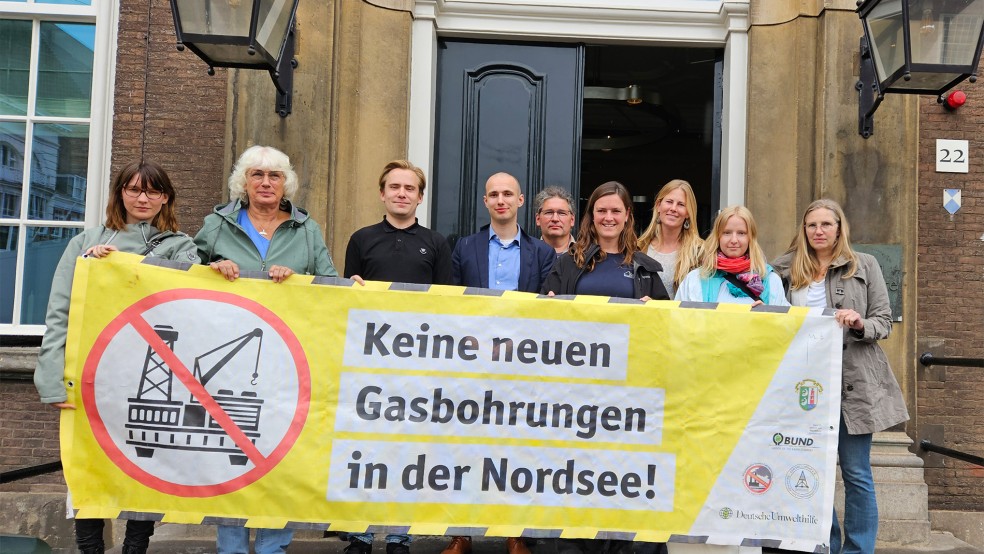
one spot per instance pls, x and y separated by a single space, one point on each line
916 47
244 34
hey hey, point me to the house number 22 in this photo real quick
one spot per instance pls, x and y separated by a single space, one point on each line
952 156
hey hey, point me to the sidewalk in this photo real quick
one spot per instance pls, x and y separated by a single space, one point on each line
173 539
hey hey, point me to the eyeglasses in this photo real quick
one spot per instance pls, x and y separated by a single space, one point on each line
826 226
558 213
257 176
134 192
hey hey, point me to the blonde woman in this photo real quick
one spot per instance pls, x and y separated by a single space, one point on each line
823 271
733 268
672 238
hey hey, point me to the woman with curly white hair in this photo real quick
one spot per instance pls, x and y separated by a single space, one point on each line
260 229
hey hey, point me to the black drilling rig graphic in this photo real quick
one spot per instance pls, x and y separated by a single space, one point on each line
156 420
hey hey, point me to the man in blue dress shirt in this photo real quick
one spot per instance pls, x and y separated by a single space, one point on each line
501 255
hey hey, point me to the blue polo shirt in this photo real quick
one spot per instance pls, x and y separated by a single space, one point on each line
504 262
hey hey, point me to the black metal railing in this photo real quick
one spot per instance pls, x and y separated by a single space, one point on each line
928 359
25 472
962 456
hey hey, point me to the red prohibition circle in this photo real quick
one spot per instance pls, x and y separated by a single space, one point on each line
260 469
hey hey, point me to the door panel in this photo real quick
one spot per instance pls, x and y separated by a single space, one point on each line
503 107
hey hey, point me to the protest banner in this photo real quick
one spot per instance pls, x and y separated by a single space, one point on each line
316 403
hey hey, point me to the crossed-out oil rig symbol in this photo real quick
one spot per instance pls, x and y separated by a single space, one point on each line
156 420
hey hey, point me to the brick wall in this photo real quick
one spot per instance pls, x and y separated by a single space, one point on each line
950 318
168 109
28 436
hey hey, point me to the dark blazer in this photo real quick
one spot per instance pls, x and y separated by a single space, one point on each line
470 261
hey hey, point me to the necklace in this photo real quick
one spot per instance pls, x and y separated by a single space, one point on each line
261 228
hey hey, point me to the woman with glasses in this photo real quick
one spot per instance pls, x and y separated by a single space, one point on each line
672 238
261 230
823 271
605 259
733 267
140 219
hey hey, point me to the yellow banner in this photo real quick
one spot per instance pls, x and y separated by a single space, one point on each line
318 404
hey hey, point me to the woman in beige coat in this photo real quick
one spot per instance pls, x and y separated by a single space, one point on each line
822 270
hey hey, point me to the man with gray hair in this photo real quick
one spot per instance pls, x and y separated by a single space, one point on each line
555 217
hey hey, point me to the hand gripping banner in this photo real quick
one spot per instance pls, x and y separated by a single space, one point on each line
317 403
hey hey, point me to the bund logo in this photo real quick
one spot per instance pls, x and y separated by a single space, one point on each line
808 391
726 513
803 443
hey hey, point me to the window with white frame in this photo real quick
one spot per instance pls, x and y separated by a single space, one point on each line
54 111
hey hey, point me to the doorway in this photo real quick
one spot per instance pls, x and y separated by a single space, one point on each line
574 116
651 115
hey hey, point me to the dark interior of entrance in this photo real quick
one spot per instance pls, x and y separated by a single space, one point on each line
652 114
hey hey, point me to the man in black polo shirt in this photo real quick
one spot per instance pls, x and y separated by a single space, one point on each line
398 249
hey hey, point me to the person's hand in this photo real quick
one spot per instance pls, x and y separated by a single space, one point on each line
757 303
227 268
550 293
645 299
63 405
100 250
849 318
280 273
358 279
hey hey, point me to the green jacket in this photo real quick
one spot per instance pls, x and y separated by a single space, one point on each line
49 375
297 243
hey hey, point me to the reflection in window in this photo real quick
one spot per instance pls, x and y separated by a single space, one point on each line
65 69
45 246
8 265
47 69
58 174
15 66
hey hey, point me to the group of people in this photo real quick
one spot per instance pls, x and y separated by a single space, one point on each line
260 229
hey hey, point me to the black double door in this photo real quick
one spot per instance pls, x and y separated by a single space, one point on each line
503 107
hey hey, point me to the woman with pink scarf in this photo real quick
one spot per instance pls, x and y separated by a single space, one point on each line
733 267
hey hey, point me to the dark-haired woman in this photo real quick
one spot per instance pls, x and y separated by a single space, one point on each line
140 219
606 260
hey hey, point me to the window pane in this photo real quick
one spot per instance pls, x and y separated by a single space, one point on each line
8 265
65 69
45 246
11 168
15 66
69 2
58 172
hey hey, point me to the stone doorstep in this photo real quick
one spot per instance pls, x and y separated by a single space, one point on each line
966 526
904 532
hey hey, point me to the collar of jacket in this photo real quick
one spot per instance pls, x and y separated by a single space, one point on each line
840 261
231 210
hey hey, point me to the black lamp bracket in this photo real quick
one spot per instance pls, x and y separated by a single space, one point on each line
283 76
869 97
